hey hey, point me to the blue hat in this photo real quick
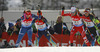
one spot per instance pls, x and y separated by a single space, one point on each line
11 24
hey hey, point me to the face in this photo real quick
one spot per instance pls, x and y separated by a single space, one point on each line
87 13
2 19
28 16
59 19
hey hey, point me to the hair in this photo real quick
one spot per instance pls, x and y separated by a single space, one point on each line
2 19
57 19
87 9
28 11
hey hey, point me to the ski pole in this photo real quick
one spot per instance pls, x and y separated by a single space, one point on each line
52 36
36 36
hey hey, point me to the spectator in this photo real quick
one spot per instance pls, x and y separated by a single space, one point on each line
2 26
11 29
58 26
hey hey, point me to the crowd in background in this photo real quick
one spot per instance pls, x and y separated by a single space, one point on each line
13 28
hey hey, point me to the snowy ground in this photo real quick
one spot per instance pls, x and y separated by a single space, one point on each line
52 49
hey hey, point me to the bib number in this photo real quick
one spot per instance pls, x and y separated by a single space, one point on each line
76 22
27 23
40 26
88 23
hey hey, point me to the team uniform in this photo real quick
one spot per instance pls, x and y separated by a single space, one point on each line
26 27
77 26
90 25
42 26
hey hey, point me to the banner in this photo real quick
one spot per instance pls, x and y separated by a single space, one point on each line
61 40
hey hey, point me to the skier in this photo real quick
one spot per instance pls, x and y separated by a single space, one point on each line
26 27
88 19
42 28
77 25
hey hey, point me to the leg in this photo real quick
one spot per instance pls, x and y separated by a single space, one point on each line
20 36
84 44
92 42
72 33
93 35
82 31
29 32
0 33
37 39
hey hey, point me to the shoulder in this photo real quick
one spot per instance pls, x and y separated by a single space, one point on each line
91 15
64 23
43 17
33 15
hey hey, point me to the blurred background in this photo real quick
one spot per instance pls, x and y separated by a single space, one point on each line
47 4
11 10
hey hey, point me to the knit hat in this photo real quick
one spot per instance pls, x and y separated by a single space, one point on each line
73 9
11 24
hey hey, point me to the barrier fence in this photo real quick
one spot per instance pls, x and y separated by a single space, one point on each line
63 40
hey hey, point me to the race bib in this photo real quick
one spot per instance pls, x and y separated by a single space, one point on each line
27 23
40 26
89 24
76 22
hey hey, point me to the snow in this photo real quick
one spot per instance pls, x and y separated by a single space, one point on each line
52 49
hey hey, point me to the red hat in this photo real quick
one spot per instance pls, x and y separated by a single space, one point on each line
27 13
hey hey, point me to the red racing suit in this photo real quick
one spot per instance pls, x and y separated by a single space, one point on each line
77 26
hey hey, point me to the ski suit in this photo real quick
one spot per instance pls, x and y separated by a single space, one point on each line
26 27
42 26
77 26
91 27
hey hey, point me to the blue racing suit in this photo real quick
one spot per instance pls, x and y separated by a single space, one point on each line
42 26
26 27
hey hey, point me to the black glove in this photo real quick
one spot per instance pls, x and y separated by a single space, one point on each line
51 30
63 8
18 20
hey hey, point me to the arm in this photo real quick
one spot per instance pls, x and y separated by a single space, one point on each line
21 18
34 16
4 28
45 20
92 18
65 25
80 14
67 14
9 31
